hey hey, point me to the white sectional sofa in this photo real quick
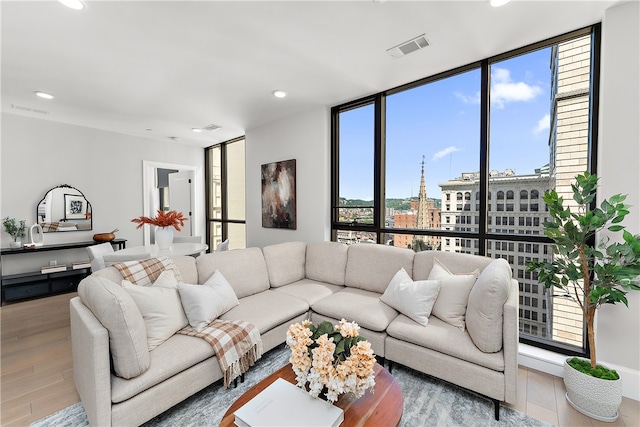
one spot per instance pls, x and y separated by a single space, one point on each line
287 283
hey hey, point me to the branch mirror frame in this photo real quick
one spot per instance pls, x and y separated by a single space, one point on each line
64 208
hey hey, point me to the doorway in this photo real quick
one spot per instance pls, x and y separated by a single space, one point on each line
180 192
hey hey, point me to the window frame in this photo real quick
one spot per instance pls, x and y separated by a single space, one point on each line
483 234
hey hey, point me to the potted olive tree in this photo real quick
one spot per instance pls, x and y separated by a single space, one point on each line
15 229
591 274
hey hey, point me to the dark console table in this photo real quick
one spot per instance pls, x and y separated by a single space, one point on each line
16 287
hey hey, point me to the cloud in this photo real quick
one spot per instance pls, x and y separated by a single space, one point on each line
440 154
543 124
504 90
474 99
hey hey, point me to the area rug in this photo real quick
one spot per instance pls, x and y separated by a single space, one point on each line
427 402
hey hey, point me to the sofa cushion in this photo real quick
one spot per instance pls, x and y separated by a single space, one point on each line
444 338
285 262
413 299
326 262
167 360
244 269
451 304
371 267
456 263
357 305
267 309
204 303
119 314
309 290
160 307
486 301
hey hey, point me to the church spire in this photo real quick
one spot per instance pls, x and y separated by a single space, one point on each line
422 220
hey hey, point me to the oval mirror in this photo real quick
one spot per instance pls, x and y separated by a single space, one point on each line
64 208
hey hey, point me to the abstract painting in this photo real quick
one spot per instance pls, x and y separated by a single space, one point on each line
279 195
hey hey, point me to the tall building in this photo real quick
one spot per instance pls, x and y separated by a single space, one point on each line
568 148
515 207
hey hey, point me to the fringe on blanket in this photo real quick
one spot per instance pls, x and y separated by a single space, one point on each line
243 364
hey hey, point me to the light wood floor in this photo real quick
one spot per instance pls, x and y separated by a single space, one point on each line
37 375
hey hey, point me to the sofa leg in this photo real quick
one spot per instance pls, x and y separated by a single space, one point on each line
390 366
496 405
242 378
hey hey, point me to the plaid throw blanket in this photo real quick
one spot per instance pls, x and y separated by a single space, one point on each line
237 345
145 272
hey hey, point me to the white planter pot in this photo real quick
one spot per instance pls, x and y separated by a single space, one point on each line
593 397
164 237
15 245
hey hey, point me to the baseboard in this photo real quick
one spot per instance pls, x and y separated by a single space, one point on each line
553 363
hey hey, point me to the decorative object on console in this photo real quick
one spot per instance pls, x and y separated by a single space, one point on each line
279 195
64 208
590 274
330 357
36 236
105 237
15 229
163 222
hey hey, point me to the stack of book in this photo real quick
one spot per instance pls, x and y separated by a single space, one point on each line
81 264
284 404
53 268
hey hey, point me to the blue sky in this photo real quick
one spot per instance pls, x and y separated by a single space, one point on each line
441 121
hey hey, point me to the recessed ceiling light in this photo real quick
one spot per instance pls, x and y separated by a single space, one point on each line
498 3
44 95
196 130
279 93
73 4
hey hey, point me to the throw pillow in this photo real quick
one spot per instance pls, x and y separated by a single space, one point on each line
486 304
118 313
204 303
451 304
413 299
144 272
160 307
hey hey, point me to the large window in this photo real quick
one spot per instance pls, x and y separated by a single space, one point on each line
225 179
459 162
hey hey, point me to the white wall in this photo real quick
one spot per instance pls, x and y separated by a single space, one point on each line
304 137
618 328
106 166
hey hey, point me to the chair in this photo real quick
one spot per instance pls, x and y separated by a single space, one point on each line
187 239
96 254
223 246
110 259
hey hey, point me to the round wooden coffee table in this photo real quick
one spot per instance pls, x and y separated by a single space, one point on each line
381 408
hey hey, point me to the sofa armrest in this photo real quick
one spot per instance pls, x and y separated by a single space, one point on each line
510 343
91 363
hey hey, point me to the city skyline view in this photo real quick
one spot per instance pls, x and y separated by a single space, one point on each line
446 133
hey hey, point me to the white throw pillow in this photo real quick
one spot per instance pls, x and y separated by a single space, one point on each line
204 303
160 307
451 304
413 299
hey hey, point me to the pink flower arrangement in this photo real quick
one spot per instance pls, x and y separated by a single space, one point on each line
173 219
335 357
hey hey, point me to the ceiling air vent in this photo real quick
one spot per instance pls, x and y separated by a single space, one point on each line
407 47
211 128
29 109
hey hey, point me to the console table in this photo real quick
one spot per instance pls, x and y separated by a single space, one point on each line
16 287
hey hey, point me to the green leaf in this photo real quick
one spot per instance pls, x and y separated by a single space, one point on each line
616 228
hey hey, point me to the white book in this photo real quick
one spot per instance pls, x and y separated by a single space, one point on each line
285 405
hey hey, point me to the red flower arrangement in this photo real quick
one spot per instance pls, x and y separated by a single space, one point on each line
173 219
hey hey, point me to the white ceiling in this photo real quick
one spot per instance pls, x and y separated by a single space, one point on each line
170 66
